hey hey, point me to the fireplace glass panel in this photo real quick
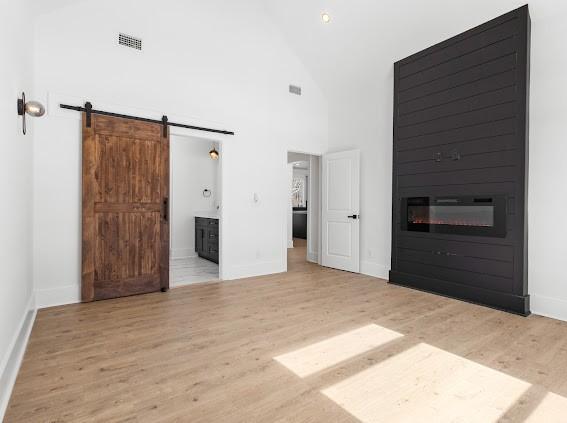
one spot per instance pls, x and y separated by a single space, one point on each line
482 216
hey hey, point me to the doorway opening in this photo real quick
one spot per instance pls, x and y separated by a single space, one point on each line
303 209
195 201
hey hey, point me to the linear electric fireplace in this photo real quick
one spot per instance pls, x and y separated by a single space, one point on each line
477 216
459 166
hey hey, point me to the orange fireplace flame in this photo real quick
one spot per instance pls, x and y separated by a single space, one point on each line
419 221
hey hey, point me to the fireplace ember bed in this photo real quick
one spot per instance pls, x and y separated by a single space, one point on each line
477 216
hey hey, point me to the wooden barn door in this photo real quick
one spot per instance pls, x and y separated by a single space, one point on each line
125 247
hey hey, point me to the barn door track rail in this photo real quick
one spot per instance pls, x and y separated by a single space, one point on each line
88 109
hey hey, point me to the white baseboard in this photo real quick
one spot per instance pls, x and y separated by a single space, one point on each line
70 294
290 243
181 253
252 270
374 269
11 362
556 308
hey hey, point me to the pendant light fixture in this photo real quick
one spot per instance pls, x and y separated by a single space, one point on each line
214 153
32 108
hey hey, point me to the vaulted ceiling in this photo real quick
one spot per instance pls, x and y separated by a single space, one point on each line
365 37
46 6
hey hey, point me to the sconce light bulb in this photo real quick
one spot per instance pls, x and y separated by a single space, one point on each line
35 108
214 154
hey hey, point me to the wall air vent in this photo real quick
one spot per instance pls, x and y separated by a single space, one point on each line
129 41
294 89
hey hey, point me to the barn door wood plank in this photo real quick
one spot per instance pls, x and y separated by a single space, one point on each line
89 238
125 193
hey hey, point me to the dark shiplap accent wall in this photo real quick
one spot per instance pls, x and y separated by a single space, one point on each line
466 97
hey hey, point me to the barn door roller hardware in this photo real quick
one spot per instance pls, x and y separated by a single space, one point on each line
89 111
164 123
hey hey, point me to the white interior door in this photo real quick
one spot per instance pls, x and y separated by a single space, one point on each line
340 236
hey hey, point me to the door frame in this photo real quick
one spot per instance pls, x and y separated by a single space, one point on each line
189 134
54 99
85 288
286 203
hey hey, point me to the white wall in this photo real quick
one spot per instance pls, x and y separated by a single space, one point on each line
297 157
16 289
192 171
364 122
360 46
203 61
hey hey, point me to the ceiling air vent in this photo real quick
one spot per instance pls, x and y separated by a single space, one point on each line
294 89
129 41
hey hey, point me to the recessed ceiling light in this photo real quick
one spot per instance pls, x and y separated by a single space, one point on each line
326 17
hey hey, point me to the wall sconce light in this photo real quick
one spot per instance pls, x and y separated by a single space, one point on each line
214 153
32 108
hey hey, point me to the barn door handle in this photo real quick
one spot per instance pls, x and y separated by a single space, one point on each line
166 209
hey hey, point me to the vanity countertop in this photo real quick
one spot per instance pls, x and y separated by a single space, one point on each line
211 214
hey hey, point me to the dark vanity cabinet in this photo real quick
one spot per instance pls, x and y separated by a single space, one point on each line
300 222
207 238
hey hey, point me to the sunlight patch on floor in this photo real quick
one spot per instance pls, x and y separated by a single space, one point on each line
316 357
552 409
425 384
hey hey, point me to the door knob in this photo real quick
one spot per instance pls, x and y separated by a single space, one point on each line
354 216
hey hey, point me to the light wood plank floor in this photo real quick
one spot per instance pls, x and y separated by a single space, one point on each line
205 353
